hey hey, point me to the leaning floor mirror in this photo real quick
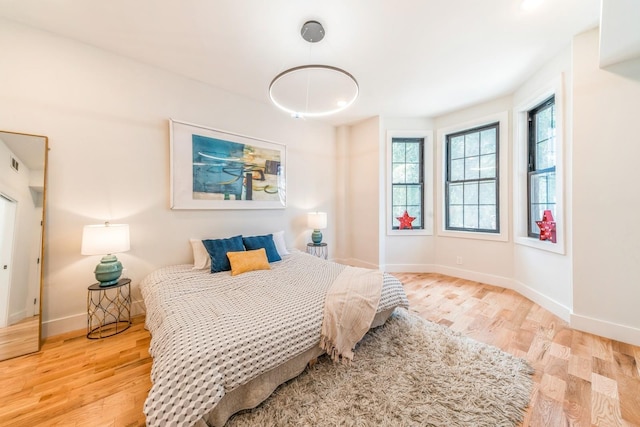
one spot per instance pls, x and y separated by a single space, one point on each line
23 172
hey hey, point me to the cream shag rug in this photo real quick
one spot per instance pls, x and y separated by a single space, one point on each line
408 372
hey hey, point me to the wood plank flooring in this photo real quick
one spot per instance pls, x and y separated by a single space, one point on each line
580 379
19 338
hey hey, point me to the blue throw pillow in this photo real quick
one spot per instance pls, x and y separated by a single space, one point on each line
218 249
256 242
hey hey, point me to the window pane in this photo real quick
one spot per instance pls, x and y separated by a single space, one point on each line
414 211
399 174
544 124
487 194
472 144
412 173
470 216
543 188
457 147
488 141
397 211
456 194
545 154
398 151
413 153
542 193
456 216
414 195
488 166
399 195
471 193
457 170
487 217
472 168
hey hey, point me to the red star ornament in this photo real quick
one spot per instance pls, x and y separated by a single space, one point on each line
405 221
547 227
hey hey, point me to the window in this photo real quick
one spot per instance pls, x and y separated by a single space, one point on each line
407 181
541 177
471 183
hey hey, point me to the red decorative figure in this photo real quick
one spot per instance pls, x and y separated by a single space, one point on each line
405 221
547 227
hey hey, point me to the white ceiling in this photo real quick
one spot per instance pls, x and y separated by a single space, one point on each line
412 58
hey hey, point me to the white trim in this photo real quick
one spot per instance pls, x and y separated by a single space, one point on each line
542 300
78 322
429 176
413 268
606 329
354 262
520 153
503 179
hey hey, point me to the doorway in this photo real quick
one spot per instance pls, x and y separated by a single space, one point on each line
7 225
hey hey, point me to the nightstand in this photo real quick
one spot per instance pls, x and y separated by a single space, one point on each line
108 309
320 250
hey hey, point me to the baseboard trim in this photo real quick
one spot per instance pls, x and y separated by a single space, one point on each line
598 327
79 321
605 328
490 279
542 300
16 317
354 262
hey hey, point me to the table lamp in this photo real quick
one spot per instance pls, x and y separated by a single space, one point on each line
106 239
317 221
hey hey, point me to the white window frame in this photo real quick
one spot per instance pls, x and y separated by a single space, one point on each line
520 168
427 163
503 177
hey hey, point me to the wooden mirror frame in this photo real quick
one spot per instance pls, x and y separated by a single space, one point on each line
25 336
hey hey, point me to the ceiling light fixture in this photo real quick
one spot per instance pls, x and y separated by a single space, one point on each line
313 90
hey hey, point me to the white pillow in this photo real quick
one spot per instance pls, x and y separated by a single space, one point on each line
201 258
281 246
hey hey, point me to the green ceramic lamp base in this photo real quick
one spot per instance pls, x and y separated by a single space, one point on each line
316 237
108 271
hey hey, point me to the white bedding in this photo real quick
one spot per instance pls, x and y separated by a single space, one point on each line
214 332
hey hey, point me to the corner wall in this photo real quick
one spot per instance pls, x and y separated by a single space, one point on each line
606 199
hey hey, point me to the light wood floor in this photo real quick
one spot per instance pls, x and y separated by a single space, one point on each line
580 379
20 338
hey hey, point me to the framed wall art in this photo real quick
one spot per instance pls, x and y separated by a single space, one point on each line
214 169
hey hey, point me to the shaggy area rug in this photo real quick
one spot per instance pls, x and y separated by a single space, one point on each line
408 372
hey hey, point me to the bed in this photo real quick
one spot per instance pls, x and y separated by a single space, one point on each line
222 343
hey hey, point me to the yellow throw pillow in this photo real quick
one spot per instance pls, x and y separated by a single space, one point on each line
244 261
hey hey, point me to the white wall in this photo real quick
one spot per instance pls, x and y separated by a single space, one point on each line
606 200
551 285
107 122
483 260
361 164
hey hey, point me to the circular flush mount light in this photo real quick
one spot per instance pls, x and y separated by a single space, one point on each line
313 90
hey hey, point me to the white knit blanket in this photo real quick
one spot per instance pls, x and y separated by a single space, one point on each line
213 332
349 309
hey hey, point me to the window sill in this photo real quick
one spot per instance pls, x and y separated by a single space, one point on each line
496 237
542 245
406 232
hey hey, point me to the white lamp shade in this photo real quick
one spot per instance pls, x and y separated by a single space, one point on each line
317 220
105 239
